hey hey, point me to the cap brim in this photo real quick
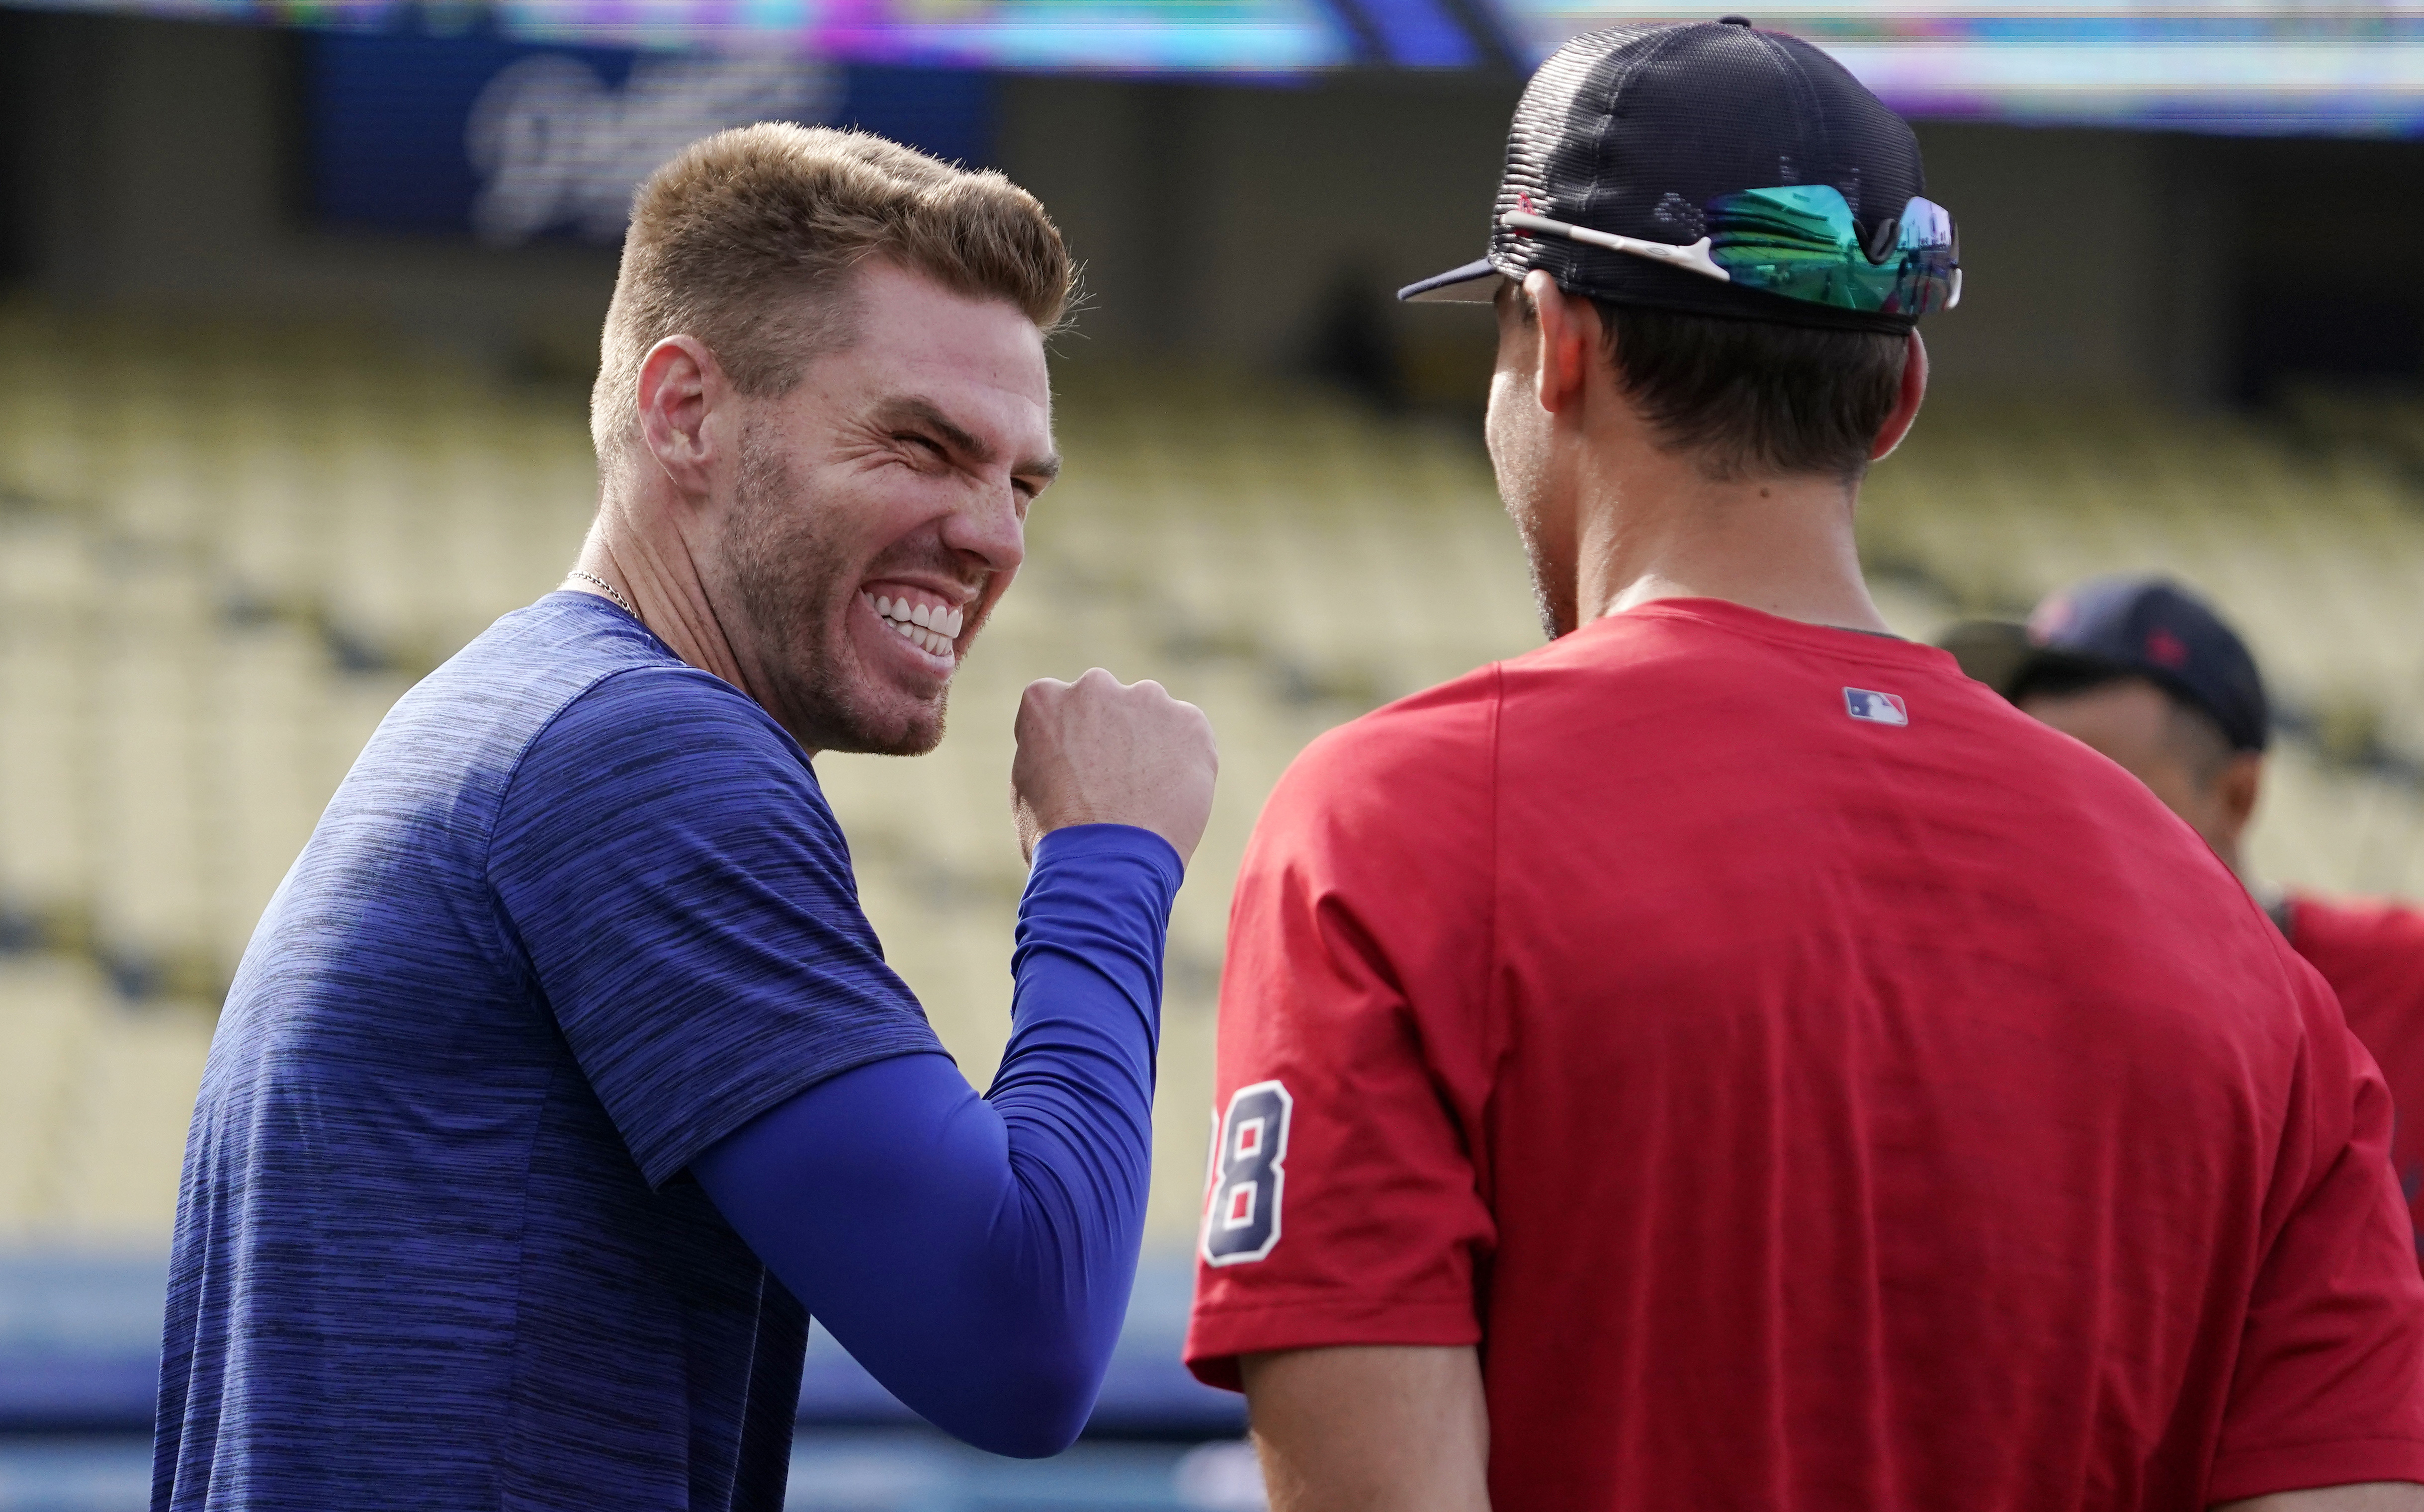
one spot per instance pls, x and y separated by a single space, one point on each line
1475 283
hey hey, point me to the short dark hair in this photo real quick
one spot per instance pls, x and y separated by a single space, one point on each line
2193 735
2061 676
1750 397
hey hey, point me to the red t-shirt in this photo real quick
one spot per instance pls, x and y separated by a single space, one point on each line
1813 1083
2373 956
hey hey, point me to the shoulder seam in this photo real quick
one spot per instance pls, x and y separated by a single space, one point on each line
513 774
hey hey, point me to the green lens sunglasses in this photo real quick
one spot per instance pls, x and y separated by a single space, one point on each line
1799 242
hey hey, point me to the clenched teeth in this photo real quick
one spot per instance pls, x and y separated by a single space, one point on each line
931 626
927 641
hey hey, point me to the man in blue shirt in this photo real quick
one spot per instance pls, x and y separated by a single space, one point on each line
564 1076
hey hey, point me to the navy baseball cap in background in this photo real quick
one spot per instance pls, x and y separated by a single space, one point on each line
2143 627
1635 131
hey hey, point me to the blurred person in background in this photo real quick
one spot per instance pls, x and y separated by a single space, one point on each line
2146 673
564 1076
1728 1057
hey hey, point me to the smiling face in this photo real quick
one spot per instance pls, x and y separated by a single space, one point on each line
877 512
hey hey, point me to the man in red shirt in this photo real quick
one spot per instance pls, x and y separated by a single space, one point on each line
2148 674
1728 1057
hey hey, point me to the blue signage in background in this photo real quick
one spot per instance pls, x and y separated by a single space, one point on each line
513 143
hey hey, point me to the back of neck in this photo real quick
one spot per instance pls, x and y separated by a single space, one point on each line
1783 546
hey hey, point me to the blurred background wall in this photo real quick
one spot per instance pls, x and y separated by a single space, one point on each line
167 162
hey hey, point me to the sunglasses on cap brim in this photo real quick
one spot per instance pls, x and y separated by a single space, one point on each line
1800 242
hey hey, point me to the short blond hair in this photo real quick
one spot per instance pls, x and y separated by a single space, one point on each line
745 240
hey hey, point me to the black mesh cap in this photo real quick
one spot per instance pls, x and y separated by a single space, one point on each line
1635 129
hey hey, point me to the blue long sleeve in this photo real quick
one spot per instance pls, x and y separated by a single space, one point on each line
975 1254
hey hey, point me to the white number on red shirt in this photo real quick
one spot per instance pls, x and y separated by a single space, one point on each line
1242 1220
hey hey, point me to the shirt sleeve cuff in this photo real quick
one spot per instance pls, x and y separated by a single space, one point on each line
1215 1338
661 1162
2304 1467
1078 842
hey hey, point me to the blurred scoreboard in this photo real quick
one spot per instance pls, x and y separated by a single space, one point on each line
1263 37
513 142
2280 66
2315 68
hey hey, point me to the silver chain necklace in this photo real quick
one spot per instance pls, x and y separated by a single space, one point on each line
591 577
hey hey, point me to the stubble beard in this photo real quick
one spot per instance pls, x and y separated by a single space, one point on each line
1544 577
790 581
1521 473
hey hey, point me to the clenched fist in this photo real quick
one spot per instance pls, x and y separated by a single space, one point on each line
1098 751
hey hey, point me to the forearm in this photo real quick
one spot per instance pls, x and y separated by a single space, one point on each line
1075 1084
1373 1428
976 1254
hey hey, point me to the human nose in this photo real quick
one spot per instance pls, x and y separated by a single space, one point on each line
991 526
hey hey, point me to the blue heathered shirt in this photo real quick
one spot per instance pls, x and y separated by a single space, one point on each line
579 912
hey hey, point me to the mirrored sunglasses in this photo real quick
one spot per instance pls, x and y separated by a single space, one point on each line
1799 241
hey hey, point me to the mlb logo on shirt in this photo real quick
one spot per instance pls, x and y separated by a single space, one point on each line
1877 709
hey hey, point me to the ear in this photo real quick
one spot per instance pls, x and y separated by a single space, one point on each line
2235 789
681 383
1568 331
1907 402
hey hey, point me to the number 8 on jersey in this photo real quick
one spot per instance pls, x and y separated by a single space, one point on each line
1241 1218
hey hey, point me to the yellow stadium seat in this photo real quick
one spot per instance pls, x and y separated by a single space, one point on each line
224 556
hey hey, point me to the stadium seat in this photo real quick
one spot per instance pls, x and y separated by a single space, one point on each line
225 552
